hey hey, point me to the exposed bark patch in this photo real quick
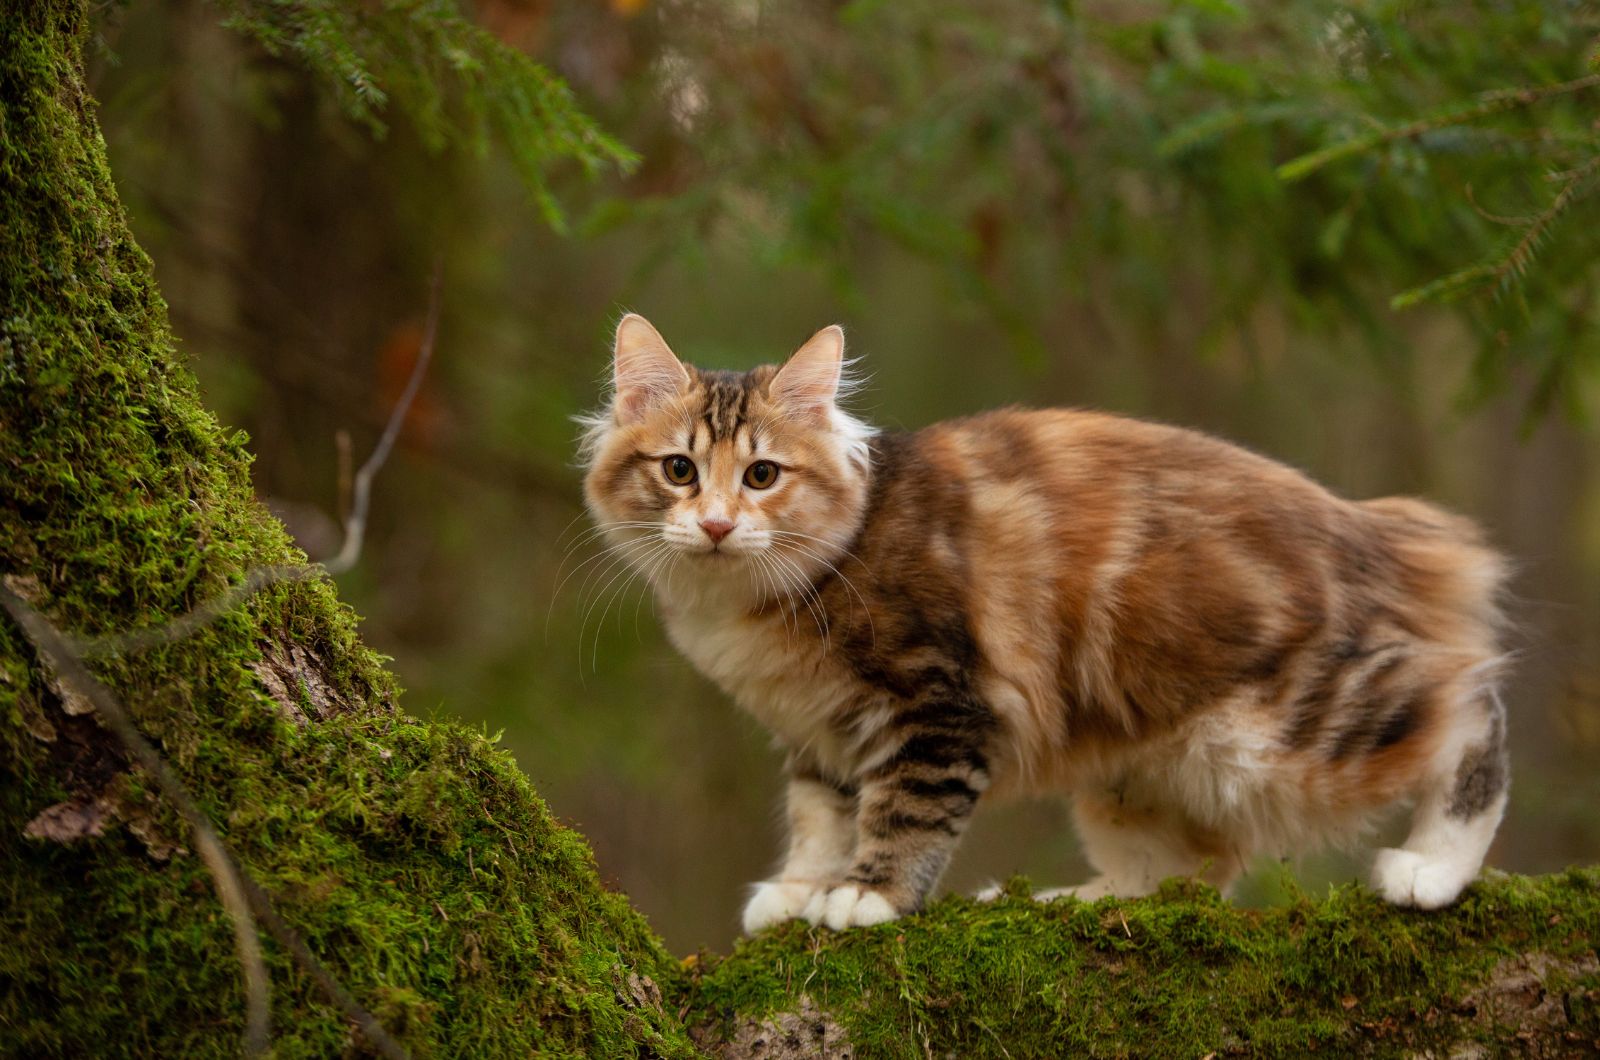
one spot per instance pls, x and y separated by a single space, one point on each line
35 720
1520 997
84 755
68 822
299 682
808 1033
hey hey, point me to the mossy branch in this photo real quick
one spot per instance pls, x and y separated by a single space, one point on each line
241 896
1512 969
413 859
76 679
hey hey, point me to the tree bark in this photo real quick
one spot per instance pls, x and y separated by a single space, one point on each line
416 861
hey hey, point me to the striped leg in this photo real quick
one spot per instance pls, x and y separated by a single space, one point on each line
910 813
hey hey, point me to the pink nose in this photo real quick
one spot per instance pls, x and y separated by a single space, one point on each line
716 529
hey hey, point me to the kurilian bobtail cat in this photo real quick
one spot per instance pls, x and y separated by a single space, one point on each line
1215 657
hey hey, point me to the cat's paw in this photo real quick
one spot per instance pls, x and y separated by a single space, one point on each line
774 901
992 893
848 906
1405 877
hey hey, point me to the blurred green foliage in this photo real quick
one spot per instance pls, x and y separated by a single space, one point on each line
1339 159
1330 153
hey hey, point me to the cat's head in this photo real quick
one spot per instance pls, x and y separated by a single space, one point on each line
733 480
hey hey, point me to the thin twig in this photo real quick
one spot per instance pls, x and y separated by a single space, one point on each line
258 578
239 893
204 614
290 940
69 670
341 445
355 526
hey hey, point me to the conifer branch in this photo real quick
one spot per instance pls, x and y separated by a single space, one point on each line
1515 261
1488 104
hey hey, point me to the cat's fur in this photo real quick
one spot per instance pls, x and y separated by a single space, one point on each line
1214 656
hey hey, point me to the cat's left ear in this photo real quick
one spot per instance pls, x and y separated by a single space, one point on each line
808 382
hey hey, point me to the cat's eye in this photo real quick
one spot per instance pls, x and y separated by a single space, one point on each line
678 469
761 474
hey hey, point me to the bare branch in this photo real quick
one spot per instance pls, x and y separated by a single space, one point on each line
355 526
258 578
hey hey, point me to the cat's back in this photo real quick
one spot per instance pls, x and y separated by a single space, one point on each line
1095 455
1128 574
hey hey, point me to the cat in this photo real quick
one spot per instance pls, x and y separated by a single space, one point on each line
1215 657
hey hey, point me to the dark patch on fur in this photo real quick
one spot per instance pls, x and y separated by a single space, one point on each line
948 787
891 824
1484 772
1314 703
873 871
1402 723
726 401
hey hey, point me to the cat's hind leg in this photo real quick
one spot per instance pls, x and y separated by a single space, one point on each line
1133 846
1456 815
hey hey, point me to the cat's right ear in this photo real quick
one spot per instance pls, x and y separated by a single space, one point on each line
644 369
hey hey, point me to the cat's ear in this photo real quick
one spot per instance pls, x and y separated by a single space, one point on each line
808 382
644 369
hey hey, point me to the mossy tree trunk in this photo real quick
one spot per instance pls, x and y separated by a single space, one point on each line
415 859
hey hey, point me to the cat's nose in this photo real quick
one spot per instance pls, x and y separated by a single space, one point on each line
716 529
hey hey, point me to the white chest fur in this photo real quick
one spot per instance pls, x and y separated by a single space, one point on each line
787 679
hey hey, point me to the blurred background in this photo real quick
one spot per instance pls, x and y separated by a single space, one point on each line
1072 203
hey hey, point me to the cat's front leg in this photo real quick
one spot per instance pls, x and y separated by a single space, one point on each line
910 812
822 836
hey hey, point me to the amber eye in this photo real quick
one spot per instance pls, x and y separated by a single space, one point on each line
678 469
761 474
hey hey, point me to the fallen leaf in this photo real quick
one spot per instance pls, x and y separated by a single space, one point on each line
67 822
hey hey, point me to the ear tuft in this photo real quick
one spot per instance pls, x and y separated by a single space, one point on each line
644 369
808 382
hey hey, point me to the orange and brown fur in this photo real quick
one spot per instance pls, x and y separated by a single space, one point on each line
1214 656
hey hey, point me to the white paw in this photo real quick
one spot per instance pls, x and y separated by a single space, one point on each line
849 906
1089 891
774 901
993 892
1405 877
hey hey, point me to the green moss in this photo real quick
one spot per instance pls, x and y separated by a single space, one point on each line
413 857
1180 974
